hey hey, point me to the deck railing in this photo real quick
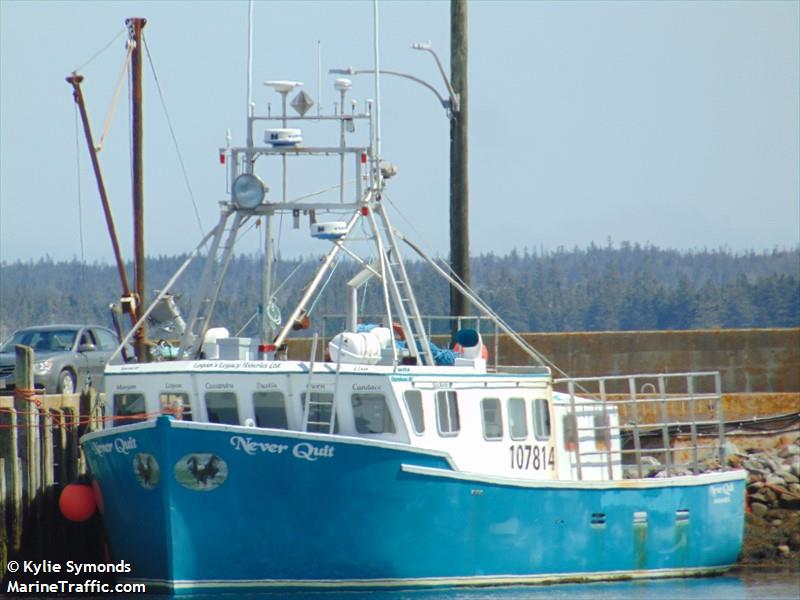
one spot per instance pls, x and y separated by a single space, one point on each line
669 423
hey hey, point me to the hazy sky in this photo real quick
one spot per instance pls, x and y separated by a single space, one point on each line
675 124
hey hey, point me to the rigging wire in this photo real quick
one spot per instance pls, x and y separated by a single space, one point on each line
103 49
243 327
322 289
320 192
240 235
407 220
172 133
448 268
115 98
276 244
486 308
364 296
288 277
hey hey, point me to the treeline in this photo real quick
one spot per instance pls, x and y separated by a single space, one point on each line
630 287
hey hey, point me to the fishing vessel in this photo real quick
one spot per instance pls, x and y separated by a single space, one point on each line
378 459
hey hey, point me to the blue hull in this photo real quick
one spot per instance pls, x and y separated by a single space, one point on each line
216 507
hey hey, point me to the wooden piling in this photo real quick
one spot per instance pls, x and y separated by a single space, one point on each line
15 488
3 533
40 455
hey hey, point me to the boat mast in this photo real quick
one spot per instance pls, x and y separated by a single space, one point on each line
376 161
266 276
135 26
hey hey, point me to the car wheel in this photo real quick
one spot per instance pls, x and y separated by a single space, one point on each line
66 382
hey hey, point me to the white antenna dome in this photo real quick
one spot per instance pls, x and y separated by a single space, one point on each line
283 86
342 84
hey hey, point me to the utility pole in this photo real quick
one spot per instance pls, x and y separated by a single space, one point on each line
459 163
135 26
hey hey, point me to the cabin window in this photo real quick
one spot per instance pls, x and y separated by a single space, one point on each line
129 408
222 408
447 412
570 434
371 413
319 412
492 419
602 436
176 404
269 409
517 419
413 400
541 419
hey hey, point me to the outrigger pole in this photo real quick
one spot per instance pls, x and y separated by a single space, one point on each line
75 81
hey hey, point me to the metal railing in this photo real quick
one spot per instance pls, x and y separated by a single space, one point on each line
656 413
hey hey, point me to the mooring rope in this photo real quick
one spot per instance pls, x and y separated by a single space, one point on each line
29 395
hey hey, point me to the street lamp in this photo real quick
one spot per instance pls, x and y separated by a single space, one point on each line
454 100
450 104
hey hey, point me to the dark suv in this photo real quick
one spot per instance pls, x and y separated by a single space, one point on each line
66 356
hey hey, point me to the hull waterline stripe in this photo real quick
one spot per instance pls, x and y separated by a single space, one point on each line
478 580
665 482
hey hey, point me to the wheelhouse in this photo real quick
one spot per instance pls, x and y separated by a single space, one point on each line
489 423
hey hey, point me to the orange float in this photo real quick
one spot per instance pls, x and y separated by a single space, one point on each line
77 502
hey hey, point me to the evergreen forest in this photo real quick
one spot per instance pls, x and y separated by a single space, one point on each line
620 287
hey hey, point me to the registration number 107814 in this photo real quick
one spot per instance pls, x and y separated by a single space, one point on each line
531 456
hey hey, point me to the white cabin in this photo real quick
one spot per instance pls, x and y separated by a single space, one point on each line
493 424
